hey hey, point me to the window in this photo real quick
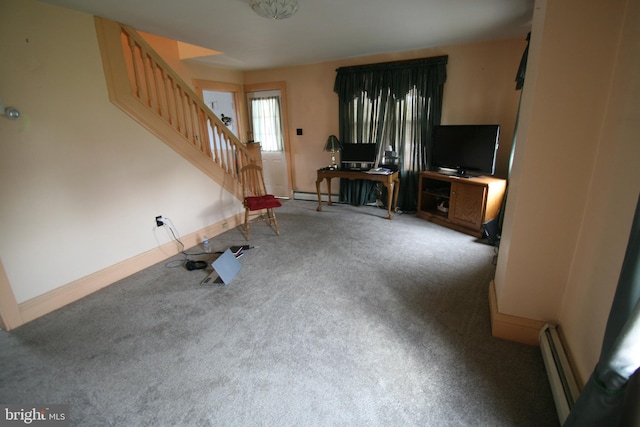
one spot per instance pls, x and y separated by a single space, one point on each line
395 105
267 123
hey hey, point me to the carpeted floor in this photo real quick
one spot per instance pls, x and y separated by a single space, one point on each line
346 319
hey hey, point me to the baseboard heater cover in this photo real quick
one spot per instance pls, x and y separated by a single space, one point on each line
561 379
301 195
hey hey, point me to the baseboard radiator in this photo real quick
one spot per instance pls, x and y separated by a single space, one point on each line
561 379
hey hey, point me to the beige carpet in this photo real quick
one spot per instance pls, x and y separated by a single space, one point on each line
346 319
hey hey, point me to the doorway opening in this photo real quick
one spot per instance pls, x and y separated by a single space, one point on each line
267 120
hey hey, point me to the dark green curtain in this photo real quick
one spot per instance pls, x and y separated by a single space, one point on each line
520 75
395 105
606 400
522 69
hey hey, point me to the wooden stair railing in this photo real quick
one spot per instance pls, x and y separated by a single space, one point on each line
144 86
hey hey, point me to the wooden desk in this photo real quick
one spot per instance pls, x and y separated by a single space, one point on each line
390 181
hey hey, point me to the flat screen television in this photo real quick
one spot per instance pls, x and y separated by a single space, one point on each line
358 155
466 150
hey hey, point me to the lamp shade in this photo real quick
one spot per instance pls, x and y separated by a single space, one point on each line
333 144
275 9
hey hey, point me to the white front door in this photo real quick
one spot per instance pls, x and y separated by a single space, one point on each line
265 114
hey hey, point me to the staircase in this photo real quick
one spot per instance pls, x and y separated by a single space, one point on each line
147 89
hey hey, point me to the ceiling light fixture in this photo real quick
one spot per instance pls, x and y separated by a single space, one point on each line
275 9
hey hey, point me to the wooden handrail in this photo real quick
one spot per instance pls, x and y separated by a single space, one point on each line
143 85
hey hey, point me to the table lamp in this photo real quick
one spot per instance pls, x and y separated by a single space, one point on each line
333 144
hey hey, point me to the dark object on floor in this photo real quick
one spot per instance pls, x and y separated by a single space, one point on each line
195 265
491 233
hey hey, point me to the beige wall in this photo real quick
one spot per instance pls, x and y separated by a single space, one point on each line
80 182
480 88
575 180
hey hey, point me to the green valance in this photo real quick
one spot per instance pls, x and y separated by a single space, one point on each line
396 78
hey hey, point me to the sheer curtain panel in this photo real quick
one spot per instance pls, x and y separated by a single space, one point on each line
265 113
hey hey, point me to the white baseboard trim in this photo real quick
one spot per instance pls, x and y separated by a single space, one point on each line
303 195
71 292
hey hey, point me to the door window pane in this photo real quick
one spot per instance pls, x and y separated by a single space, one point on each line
267 123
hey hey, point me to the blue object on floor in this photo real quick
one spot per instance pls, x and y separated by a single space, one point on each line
227 266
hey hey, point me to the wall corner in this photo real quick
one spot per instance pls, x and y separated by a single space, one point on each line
512 328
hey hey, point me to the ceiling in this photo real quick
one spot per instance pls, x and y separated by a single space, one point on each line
321 30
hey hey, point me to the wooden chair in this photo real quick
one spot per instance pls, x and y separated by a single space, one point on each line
258 205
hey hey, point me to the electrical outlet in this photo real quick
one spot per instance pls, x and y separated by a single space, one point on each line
159 221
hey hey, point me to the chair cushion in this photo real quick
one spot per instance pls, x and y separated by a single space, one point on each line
267 201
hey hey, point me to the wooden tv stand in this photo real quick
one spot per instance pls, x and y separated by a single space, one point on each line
472 201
